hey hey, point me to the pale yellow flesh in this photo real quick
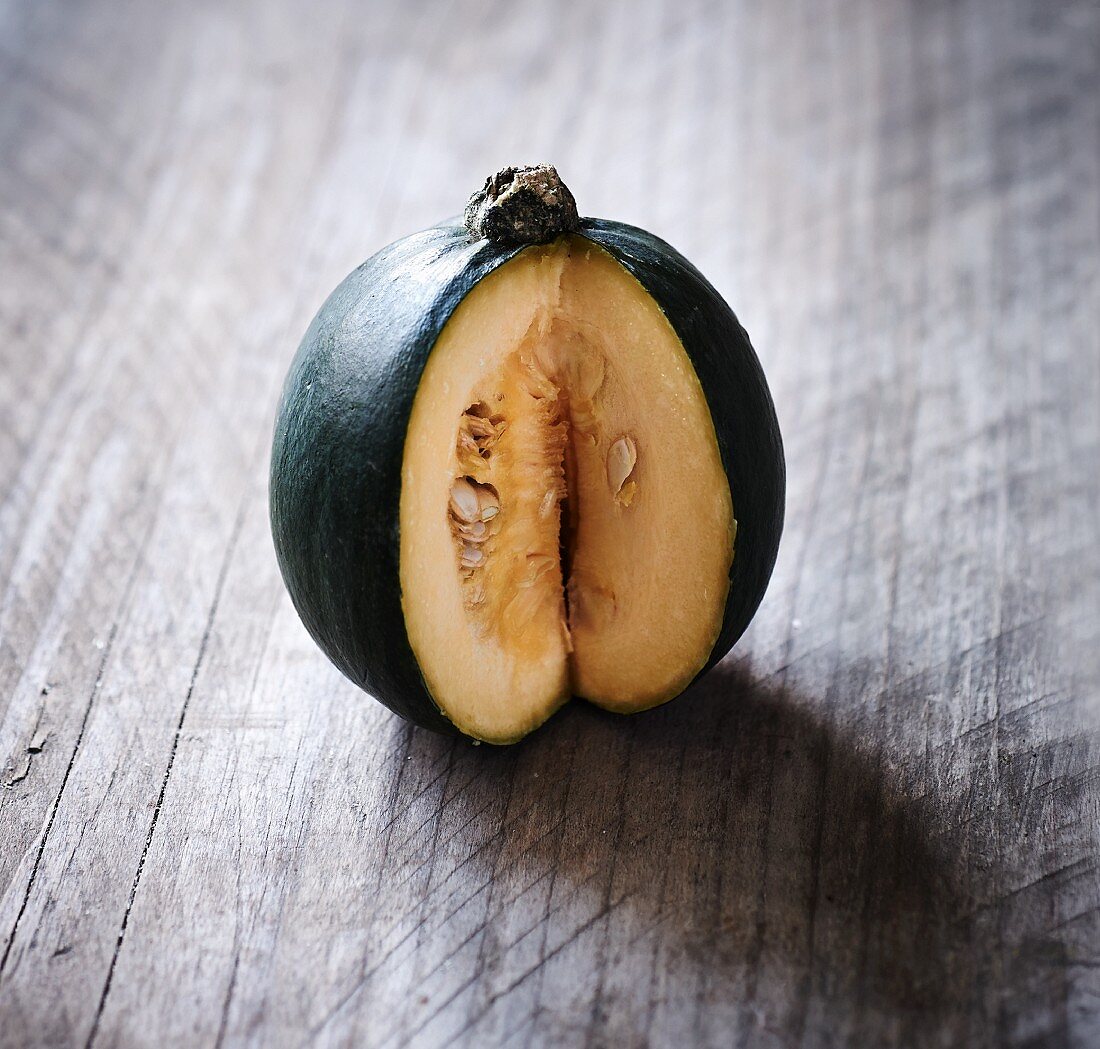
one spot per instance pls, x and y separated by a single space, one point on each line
568 349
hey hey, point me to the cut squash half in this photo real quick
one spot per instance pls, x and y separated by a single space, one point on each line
566 522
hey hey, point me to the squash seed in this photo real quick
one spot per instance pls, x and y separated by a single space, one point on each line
488 503
474 532
464 500
621 459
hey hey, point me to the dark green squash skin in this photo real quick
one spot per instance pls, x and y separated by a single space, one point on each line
335 483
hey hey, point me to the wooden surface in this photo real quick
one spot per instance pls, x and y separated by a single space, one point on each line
876 823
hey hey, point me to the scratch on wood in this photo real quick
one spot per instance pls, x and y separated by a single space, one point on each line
219 585
108 647
32 750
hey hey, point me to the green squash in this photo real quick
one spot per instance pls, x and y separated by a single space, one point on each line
522 458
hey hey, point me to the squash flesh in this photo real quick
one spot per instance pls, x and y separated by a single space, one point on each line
613 592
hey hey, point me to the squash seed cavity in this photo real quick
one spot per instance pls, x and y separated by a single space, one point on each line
516 437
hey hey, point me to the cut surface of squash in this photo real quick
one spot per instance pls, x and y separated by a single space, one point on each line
566 525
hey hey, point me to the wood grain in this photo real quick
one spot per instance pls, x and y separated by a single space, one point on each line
877 823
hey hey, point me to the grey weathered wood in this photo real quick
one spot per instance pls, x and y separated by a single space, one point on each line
877 823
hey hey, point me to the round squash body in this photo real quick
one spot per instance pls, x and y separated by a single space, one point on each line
336 465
